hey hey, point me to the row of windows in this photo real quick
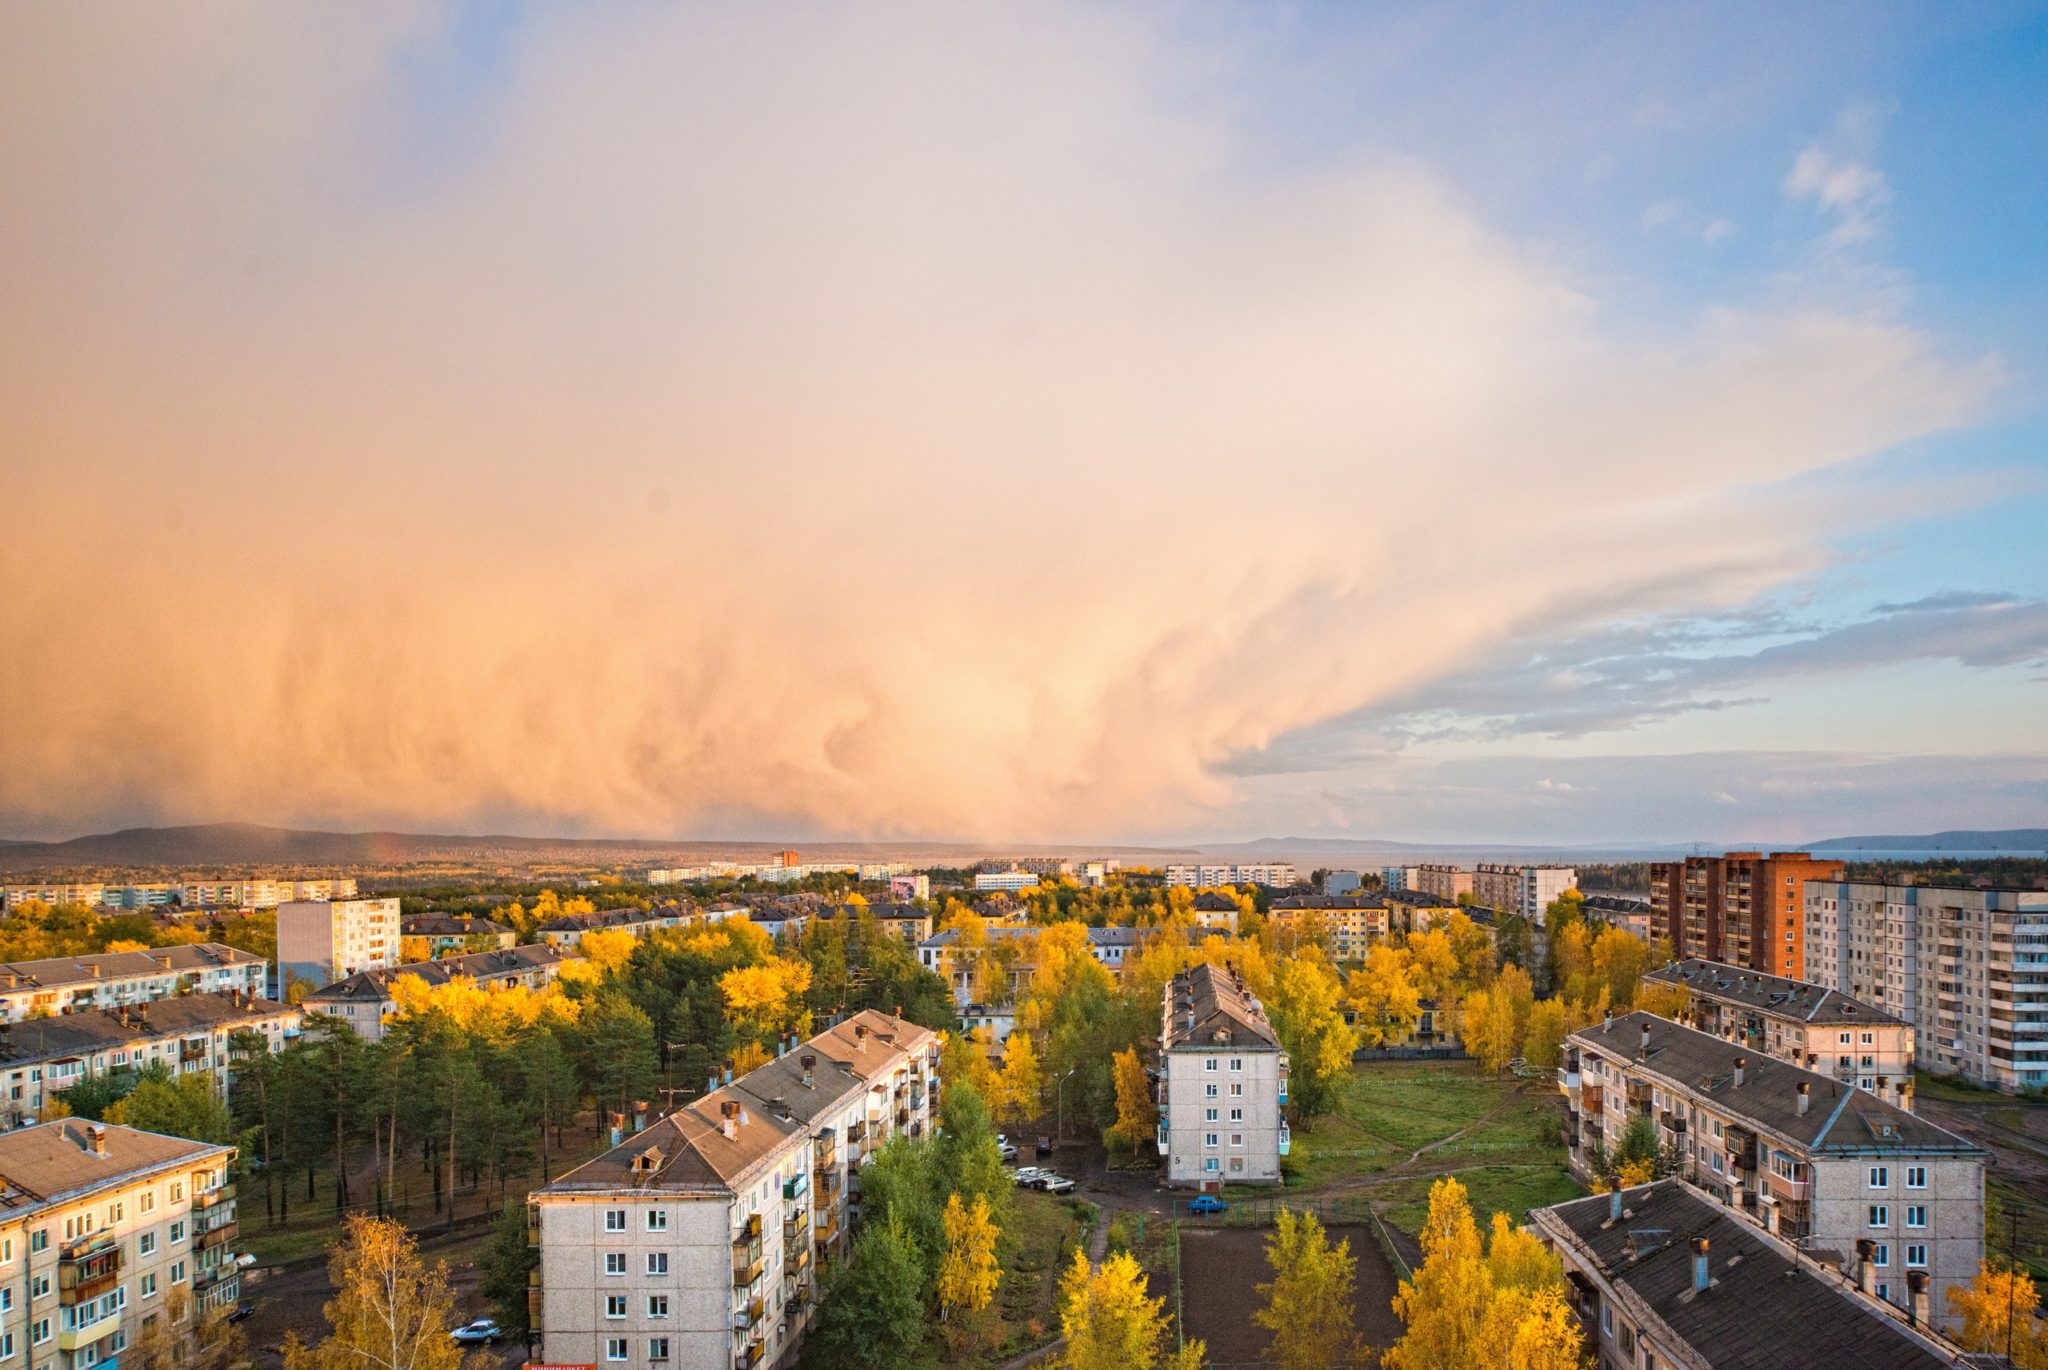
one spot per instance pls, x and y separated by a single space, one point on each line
615 1305
1236 1063
615 1264
615 1348
84 1224
1881 1177
1880 1215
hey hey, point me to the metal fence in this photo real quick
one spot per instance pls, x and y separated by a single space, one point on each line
1447 1053
1264 1212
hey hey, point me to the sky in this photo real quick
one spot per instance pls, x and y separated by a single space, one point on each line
1033 422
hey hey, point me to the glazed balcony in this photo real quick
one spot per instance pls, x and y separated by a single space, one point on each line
88 1273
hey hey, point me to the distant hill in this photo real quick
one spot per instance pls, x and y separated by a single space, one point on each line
1960 839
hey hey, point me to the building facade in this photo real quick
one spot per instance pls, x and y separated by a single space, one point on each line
109 979
1807 1024
186 1034
1275 874
1820 1164
1222 1083
701 1240
1527 890
434 935
108 1234
1663 1277
1348 923
1744 908
320 941
565 932
1445 882
1011 880
1968 968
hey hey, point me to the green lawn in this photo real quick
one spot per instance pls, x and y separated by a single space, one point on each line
1036 1248
1510 1189
1951 1089
2021 1241
1390 1108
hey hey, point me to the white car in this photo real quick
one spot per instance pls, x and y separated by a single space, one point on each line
1029 1176
1006 1151
1056 1184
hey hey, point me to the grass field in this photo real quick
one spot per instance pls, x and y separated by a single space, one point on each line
1040 1241
1390 1109
1510 1189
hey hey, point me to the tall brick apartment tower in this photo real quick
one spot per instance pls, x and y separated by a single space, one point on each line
1744 908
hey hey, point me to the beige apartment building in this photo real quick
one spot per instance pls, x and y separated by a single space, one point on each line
107 1233
1222 1083
1664 1277
110 979
1816 1162
1968 968
1348 923
702 1240
186 1034
1527 890
1794 1020
321 941
1445 882
367 999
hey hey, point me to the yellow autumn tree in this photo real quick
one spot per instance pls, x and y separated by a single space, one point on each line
1384 998
1309 1300
1543 1037
965 1061
1489 1029
1997 1309
1663 998
390 1310
1497 1303
1619 961
1110 1324
1137 1112
968 1272
607 948
765 1000
1023 1081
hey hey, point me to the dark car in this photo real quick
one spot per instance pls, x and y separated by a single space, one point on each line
1044 1146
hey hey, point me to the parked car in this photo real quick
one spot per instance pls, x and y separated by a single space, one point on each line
1044 1145
1056 1184
241 1311
1006 1151
1206 1203
482 1330
1029 1176
245 1260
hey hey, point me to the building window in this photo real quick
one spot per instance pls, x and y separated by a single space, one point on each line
614 1262
657 1220
1208 1115
149 1285
657 1262
145 1245
615 1220
1236 1090
1209 1139
1236 1115
1916 1215
1881 1254
1209 1164
657 1348
657 1305
177 1272
615 1348
1208 1091
615 1305
1237 1139
1880 1215
39 1332
177 1232
1607 1319
1211 1064
1236 1063
1916 1177
1916 1254
1880 1177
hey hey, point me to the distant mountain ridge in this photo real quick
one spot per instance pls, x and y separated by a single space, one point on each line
1956 839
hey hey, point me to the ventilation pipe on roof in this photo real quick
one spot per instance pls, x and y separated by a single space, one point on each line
1646 1039
1607 1023
1805 1097
1614 1206
727 1073
1917 1304
808 1061
1866 1271
1700 1277
1741 1064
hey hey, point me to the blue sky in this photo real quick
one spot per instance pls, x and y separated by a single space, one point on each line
1478 423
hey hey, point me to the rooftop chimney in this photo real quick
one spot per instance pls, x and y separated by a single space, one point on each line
728 1070
808 1061
96 1139
1607 1023
729 1114
1741 1063
1614 1205
1646 1039
1917 1305
1700 1279
1866 1273
860 1033
1805 1097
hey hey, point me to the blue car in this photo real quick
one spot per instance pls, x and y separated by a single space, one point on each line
1206 1203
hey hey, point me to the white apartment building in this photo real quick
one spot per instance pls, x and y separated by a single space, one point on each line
263 894
321 941
103 1229
1526 890
1277 874
108 979
187 1034
17 895
1818 1163
1009 881
1222 1083
1350 923
702 1240
367 999
1794 1020
1968 968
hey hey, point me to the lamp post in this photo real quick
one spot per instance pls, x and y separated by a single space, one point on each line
1059 1103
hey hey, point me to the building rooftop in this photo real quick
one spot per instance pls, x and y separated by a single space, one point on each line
880 909
78 1034
1772 994
1293 902
1208 1006
1763 1309
55 971
1617 903
1420 899
1100 937
689 1151
599 919
47 1160
1839 1119
478 965
448 925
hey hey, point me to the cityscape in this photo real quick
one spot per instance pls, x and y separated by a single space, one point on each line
990 686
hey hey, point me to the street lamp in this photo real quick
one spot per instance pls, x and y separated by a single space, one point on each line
1059 1103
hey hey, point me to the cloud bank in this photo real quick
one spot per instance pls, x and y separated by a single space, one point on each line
933 421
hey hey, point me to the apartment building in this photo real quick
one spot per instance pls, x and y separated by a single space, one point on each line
367 999
444 934
90 894
1445 882
1968 968
320 941
1411 911
1222 1083
1807 1024
1818 1163
1274 874
1527 890
1109 946
1216 911
907 889
1011 880
1629 912
907 923
1349 923
1744 908
106 1232
701 1240
1663 1277
186 1034
108 979
565 932
263 894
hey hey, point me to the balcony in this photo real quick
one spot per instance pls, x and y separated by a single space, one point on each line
827 1231
1591 1101
1164 1145
219 1194
749 1356
903 1117
796 1227
748 1314
796 1187
220 1234
1788 1191
824 1151
1741 1149
1286 1138
86 1333
797 1261
89 1273
746 1254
